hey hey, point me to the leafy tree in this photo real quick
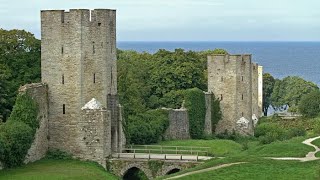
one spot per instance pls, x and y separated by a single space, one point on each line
4 104
147 127
268 84
20 55
290 90
17 134
176 70
310 104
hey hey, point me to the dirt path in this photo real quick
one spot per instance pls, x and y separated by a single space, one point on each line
309 157
206 170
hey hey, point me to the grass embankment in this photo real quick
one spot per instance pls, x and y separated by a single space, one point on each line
228 148
254 153
217 147
57 169
264 169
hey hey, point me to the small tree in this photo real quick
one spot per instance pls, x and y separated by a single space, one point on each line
310 104
268 84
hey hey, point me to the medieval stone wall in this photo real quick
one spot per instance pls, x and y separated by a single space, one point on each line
78 62
120 167
208 121
178 124
260 90
230 79
39 93
255 75
94 138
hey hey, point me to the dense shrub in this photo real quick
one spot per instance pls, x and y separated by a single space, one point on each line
58 154
268 132
17 134
172 99
310 104
196 105
15 140
25 110
148 127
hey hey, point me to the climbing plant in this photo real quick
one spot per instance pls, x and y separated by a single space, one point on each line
196 105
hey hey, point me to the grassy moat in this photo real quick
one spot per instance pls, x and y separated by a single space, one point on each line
254 155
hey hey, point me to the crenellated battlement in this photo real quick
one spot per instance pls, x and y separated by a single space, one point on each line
81 15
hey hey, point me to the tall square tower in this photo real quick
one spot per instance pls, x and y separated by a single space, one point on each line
78 62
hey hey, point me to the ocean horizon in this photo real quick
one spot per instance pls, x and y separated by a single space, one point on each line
279 58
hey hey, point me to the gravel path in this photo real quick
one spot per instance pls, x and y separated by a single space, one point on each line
309 157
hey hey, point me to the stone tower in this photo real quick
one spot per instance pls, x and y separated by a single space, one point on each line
78 63
230 78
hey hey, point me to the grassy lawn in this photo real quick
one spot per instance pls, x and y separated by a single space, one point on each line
264 169
57 169
316 142
217 147
288 148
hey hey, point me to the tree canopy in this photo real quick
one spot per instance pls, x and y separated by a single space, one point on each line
19 64
290 90
268 84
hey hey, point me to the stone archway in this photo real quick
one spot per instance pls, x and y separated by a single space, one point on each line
171 169
134 168
134 173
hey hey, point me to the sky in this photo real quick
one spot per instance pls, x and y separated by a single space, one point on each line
185 20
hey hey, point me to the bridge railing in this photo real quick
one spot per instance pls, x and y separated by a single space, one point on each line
192 150
165 152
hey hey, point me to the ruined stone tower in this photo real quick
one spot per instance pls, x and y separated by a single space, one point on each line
78 63
234 80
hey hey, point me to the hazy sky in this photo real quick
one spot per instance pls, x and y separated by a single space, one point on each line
185 20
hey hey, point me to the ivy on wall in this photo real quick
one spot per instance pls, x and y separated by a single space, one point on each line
196 105
216 114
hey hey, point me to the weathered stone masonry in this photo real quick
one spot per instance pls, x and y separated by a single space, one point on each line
78 63
39 93
234 80
178 124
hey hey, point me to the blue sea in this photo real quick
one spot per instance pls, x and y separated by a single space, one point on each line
281 59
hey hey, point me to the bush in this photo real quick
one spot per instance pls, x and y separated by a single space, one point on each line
17 134
25 110
148 127
310 104
196 105
58 154
172 99
15 140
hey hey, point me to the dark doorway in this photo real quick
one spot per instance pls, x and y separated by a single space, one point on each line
172 171
134 174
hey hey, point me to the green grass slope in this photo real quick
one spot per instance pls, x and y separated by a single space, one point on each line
264 169
218 147
289 148
57 169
